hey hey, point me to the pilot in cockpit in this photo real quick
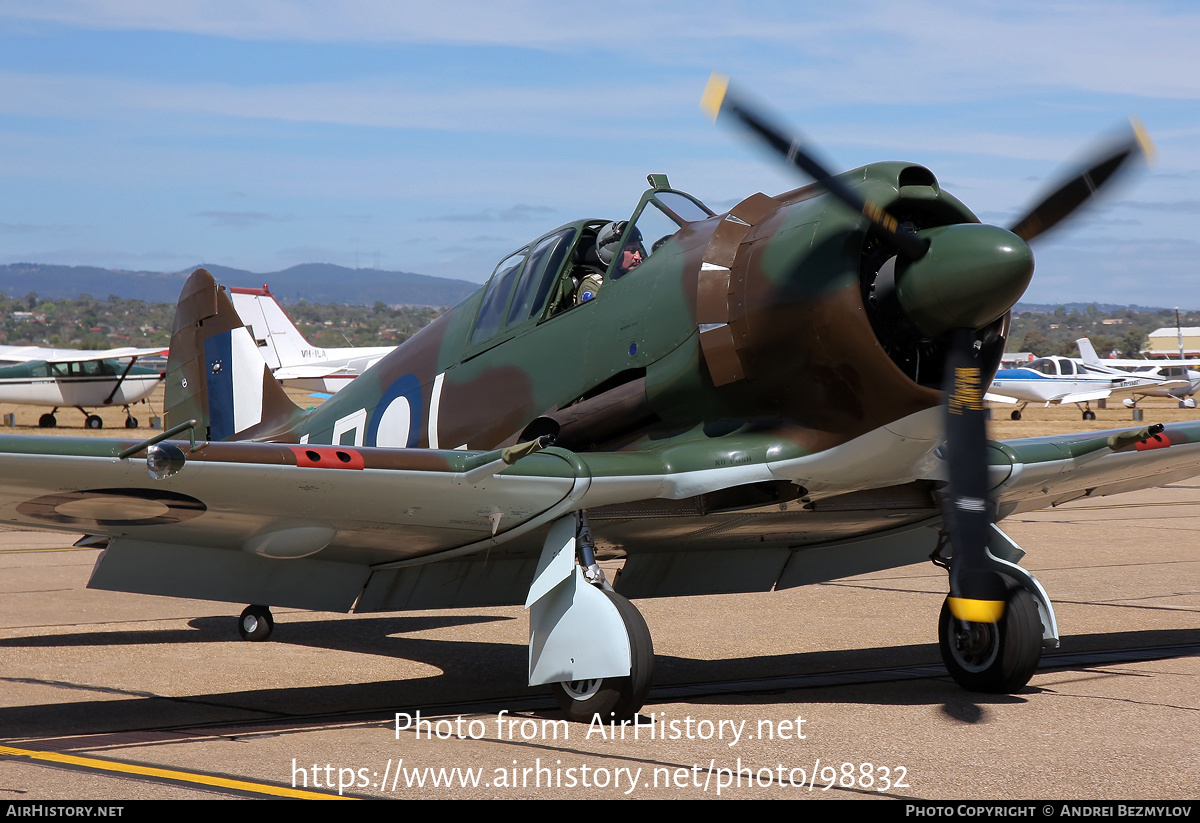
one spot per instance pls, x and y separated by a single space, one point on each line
632 253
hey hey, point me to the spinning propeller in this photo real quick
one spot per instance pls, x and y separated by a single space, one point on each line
951 282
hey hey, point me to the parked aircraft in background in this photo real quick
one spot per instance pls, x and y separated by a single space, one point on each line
784 394
35 376
1178 372
290 357
1055 380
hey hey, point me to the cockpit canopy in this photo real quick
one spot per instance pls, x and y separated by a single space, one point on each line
1055 366
538 281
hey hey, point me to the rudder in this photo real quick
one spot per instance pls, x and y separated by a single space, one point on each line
216 375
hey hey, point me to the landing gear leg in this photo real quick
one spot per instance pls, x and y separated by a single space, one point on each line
256 623
587 641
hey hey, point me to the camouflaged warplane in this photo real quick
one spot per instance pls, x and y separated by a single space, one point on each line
787 393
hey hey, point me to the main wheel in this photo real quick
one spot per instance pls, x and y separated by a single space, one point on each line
998 658
1089 415
47 421
613 698
1016 415
256 623
131 423
93 422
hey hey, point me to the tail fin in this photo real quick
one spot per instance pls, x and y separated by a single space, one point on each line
216 375
1088 352
280 342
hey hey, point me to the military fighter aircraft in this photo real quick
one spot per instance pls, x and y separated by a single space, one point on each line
78 378
786 393
293 360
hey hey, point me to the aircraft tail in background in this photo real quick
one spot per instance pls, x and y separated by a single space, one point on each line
294 360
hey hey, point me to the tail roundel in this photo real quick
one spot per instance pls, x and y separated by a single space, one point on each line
216 375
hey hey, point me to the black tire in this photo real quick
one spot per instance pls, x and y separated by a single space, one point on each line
1016 415
131 422
1089 415
47 421
997 658
256 623
613 698
93 422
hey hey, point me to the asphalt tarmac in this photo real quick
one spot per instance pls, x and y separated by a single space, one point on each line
830 691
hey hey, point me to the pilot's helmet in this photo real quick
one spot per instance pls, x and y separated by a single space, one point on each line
608 241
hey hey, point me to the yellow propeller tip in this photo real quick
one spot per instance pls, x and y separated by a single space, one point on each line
1143 138
714 94
976 611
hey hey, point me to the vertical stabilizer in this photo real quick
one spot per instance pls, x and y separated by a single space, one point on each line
281 343
1088 352
216 374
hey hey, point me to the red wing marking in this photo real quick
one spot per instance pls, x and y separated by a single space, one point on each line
327 457
1157 441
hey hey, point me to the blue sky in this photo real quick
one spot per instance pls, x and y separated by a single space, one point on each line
435 139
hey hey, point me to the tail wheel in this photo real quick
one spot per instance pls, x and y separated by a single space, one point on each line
998 658
613 698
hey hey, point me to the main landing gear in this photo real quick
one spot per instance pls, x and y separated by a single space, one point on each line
1001 657
998 658
587 641
90 421
256 623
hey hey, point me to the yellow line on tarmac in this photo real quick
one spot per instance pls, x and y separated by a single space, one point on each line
168 774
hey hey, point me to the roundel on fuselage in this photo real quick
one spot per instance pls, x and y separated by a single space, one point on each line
396 423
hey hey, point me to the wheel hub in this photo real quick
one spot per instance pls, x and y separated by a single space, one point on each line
582 689
975 645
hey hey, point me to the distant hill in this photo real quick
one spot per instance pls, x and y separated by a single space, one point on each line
311 282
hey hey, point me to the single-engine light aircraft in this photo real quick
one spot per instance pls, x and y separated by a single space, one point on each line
786 393
1178 378
1055 380
77 378
292 359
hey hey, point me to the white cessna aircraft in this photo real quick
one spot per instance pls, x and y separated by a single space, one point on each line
77 378
292 359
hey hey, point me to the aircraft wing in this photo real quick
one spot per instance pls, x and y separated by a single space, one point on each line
1082 396
315 371
339 528
37 354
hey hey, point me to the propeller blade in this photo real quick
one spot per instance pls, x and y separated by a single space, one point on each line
977 591
1083 186
717 100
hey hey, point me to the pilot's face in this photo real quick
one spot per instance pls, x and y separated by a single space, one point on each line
631 257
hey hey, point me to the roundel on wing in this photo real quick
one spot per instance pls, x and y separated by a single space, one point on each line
108 508
396 423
